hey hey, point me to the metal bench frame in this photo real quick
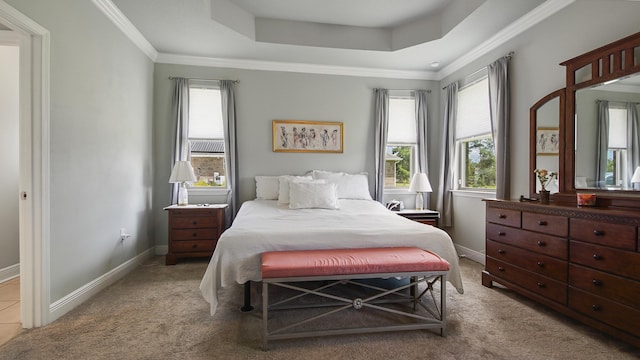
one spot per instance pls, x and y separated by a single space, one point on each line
434 319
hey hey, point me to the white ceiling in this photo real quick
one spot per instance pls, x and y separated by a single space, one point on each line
389 38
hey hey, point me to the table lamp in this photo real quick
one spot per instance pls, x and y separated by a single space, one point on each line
182 173
420 184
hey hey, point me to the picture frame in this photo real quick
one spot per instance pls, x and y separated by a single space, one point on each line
547 141
308 136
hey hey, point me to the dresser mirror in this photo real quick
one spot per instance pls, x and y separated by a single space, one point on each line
546 118
599 147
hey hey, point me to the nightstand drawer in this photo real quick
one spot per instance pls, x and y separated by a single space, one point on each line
193 234
186 222
193 246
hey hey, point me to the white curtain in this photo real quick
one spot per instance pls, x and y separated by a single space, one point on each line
381 119
499 104
633 141
422 135
230 146
444 203
180 111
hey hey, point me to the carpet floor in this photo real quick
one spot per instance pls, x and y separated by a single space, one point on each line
157 312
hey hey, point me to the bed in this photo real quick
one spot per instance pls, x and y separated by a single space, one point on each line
267 224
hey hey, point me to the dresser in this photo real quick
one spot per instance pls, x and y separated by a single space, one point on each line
582 262
194 230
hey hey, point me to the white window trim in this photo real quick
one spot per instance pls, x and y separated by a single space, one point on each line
461 173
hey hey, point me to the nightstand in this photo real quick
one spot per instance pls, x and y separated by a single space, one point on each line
194 230
428 217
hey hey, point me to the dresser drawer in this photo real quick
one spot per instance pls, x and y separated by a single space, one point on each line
606 311
541 264
540 243
189 222
548 224
538 284
193 234
614 235
605 285
504 216
623 263
193 246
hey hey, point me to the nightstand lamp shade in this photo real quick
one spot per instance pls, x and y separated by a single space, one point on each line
182 173
420 184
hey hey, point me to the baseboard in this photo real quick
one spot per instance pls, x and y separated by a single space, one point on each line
9 272
67 303
470 254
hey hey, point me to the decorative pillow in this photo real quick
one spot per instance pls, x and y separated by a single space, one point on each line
350 186
313 195
267 187
283 186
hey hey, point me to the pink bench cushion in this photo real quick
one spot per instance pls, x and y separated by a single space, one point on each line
298 263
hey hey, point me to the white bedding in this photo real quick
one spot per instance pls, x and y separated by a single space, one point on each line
263 225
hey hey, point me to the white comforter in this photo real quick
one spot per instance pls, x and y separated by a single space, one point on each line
262 225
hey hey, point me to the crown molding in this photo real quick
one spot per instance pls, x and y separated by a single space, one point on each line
122 22
535 16
294 67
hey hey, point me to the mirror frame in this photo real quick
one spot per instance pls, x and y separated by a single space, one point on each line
612 61
533 126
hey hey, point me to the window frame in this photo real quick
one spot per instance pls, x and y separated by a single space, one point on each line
206 190
414 148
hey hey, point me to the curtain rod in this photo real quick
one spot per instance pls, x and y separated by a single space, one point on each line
427 90
508 56
199 79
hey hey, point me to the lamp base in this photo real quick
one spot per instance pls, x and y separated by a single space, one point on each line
183 195
419 201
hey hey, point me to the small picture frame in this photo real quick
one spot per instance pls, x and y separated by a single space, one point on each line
307 136
547 141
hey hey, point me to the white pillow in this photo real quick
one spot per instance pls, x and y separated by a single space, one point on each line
283 186
350 186
267 187
313 195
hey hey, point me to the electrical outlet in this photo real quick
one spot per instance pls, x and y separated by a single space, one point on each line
123 234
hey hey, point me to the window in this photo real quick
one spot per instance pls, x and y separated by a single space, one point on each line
400 161
617 147
206 136
476 159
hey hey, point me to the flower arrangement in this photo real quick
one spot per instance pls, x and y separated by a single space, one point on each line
545 177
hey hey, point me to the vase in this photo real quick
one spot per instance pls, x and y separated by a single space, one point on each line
544 196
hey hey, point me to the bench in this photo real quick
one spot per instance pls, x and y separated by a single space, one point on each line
316 272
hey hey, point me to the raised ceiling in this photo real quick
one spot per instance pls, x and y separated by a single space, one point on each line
402 39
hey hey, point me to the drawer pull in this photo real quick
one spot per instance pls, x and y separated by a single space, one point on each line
541 285
595 307
194 223
541 243
501 233
502 216
596 282
542 223
194 246
500 268
500 251
194 234
597 257
540 264
598 232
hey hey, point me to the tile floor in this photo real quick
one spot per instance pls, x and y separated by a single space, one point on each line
9 309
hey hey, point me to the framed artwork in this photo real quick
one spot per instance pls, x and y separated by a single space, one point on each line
547 141
307 136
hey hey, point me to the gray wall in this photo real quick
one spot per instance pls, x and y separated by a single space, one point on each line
535 72
263 96
101 142
9 236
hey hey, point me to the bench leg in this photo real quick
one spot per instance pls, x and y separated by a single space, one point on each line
265 316
247 298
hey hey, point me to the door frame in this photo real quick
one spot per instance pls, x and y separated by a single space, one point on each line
34 42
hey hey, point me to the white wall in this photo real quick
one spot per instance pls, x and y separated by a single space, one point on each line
9 161
535 72
101 140
262 96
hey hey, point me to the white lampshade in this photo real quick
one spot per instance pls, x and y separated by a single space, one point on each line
182 172
636 176
420 183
